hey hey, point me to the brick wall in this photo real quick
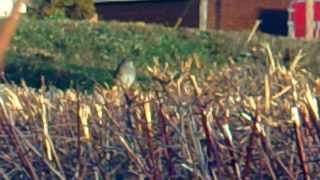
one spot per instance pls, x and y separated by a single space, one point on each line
222 14
240 14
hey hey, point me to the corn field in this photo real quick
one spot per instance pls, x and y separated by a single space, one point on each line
254 120
249 121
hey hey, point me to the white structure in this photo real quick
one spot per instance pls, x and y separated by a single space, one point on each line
6 8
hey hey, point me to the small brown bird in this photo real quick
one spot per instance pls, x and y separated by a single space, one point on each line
125 77
125 74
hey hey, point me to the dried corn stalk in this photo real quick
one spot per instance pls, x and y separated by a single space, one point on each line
147 113
84 113
312 102
195 85
46 142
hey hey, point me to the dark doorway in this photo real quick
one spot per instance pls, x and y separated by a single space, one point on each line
274 21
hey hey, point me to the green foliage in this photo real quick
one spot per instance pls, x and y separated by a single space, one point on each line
81 52
57 14
60 9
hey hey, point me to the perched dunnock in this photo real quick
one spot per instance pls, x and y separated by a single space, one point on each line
125 74
125 77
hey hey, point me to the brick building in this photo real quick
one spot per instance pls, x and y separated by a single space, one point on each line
153 11
222 14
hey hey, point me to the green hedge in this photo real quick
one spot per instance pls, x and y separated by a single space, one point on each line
65 51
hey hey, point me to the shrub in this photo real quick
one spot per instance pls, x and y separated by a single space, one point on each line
74 9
